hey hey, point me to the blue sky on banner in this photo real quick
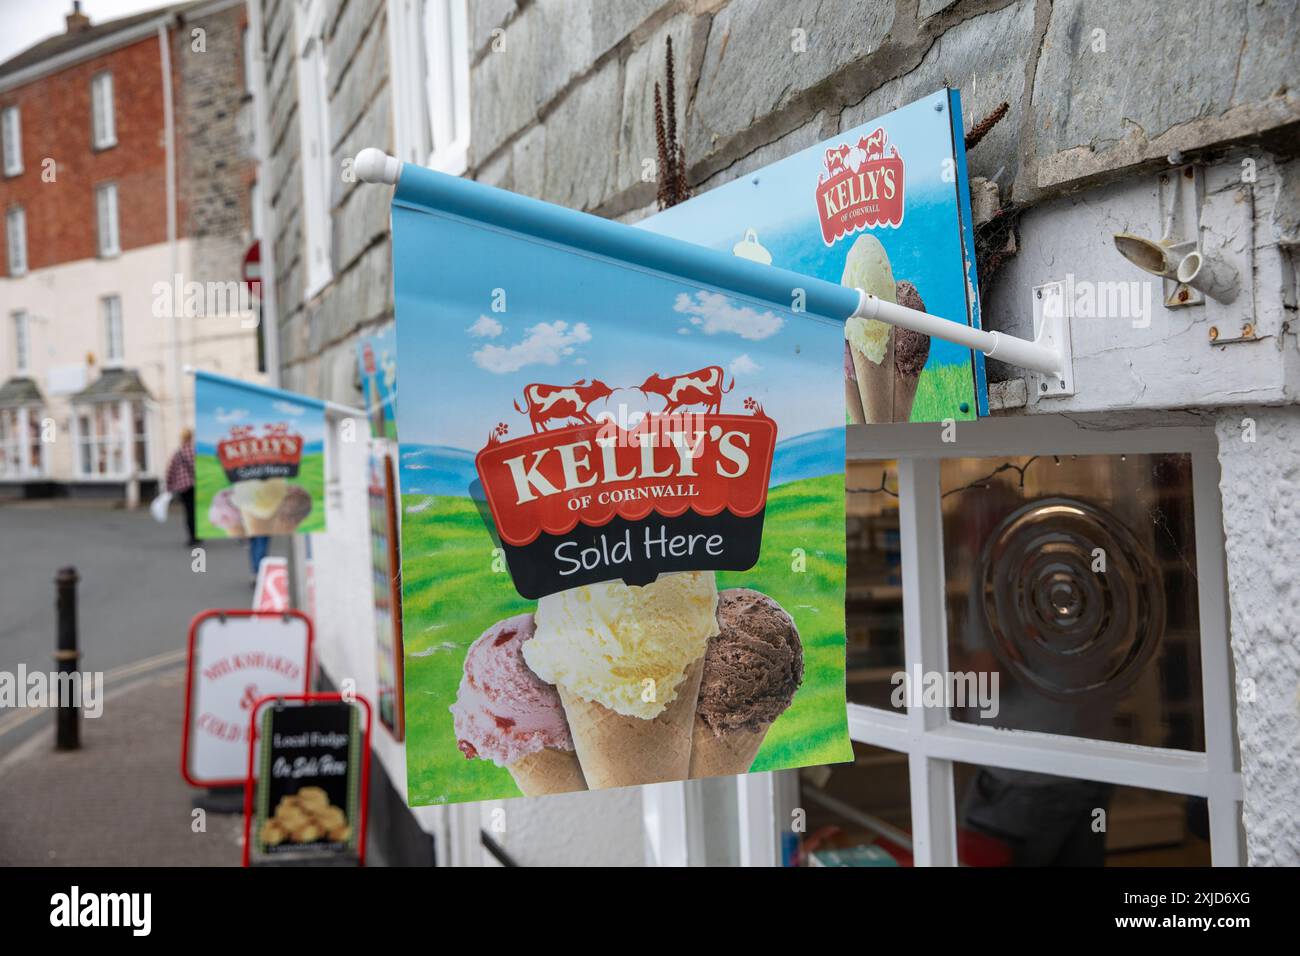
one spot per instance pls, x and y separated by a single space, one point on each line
571 316
924 249
221 403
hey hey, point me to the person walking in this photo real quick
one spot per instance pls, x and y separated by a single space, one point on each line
258 545
180 480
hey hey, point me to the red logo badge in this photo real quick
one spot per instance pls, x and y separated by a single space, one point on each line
585 499
862 187
244 455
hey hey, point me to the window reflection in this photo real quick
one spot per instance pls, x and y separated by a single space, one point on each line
874 597
1033 819
1073 579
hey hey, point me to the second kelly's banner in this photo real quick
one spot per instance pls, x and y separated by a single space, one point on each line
259 459
622 496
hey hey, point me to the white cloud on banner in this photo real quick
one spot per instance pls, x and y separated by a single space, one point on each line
712 312
744 365
485 328
545 343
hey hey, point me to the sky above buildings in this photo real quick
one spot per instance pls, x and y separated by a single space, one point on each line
24 23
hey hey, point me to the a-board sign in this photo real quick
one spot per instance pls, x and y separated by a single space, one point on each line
236 657
306 793
271 591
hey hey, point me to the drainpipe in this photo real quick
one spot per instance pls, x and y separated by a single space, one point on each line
169 147
262 146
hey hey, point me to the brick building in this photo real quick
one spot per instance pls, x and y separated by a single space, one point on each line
126 180
1110 105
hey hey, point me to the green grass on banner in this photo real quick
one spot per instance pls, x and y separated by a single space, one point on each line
451 596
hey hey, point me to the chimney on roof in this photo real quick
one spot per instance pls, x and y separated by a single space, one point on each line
76 20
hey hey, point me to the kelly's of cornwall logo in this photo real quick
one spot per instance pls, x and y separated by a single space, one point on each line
589 497
245 455
861 187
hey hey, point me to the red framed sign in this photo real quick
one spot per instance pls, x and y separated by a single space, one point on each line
307 778
235 658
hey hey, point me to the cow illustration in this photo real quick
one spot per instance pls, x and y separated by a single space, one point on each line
548 402
874 144
836 157
701 387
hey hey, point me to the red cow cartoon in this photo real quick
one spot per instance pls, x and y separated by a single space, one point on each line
874 144
835 159
547 402
701 387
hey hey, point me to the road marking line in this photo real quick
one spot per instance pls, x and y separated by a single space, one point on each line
157 662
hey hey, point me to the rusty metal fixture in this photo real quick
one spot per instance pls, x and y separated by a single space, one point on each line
1248 330
981 129
1214 333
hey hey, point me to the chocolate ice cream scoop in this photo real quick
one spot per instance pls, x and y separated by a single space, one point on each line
754 665
911 349
295 507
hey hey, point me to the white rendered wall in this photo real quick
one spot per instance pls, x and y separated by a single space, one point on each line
1260 485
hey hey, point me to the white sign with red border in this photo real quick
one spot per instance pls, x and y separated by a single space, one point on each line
272 590
236 657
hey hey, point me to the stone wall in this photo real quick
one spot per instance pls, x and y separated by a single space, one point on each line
562 110
317 345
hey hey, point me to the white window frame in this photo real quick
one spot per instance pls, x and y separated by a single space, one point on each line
18 443
928 737
114 333
103 123
315 164
22 332
428 44
16 239
108 235
11 130
124 410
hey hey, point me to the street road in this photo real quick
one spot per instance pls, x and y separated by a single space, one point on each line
137 591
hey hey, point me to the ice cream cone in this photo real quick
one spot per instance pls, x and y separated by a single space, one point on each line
254 525
876 383
549 770
722 756
620 751
904 396
911 352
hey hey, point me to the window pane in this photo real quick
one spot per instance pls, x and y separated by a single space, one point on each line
1073 581
874 599
713 819
1015 818
861 811
12 134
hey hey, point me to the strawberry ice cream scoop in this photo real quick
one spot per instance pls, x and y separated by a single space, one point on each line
504 711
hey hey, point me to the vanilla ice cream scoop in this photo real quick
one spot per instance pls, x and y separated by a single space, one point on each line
259 498
866 267
604 641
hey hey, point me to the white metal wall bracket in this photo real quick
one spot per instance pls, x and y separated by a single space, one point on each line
1052 314
1048 354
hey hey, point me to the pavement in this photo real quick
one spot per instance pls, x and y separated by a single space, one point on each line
120 799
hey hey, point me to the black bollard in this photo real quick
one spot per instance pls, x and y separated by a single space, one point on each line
67 731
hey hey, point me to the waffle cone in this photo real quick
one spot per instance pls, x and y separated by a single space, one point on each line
620 751
853 402
257 526
904 396
876 384
548 771
724 756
